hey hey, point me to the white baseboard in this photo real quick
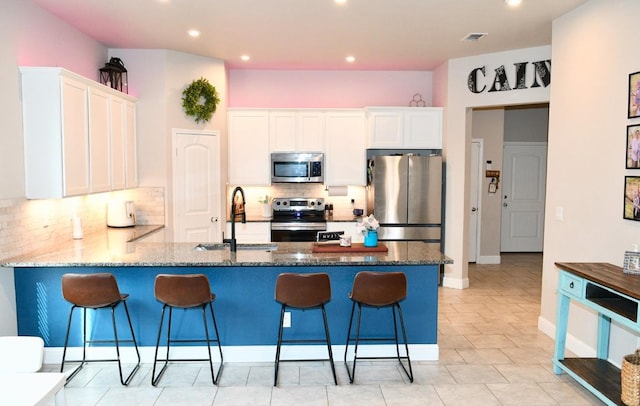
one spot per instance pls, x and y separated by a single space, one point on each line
261 353
455 283
488 260
574 345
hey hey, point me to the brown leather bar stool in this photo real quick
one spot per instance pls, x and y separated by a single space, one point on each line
304 292
185 292
378 290
96 291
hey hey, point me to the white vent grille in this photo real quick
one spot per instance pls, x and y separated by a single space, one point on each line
474 36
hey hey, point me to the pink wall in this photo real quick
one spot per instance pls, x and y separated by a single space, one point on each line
37 38
326 89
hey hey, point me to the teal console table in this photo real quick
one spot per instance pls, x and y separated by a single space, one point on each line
615 296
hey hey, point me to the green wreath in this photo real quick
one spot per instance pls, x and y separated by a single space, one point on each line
200 100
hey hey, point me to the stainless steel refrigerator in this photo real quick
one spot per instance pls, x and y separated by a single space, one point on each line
405 194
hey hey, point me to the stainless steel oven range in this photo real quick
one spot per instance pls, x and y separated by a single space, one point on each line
297 219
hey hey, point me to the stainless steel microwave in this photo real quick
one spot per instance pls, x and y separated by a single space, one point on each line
297 167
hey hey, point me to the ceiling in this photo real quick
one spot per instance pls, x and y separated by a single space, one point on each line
316 34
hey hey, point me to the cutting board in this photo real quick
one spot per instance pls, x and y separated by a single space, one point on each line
355 247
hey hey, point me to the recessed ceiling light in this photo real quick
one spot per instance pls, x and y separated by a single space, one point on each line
193 33
513 3
350 59
340 1
245 57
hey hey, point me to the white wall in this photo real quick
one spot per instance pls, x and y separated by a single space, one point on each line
158 78
526 124
32 37
488 124
593 54
457 141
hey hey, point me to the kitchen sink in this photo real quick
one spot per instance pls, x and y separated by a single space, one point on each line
239 247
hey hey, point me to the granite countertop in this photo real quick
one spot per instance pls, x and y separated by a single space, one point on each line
105 250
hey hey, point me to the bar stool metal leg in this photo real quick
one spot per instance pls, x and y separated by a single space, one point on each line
378 290
124 381
326 332
278 346
406 344
155 379
187 292
303 292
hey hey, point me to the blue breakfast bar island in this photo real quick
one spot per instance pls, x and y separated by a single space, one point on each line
243 282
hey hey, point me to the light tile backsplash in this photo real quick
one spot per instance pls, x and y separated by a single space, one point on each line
29 225
341 204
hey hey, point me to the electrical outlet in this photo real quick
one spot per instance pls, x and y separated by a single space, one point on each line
286 322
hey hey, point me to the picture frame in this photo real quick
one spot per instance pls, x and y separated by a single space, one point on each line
632 198
633 147
634 95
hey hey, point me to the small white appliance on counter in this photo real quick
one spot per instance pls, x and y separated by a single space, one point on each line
121 213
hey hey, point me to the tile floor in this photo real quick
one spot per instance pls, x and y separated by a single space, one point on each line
491 353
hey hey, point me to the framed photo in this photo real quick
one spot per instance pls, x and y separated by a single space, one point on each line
633 146
634 95
632 198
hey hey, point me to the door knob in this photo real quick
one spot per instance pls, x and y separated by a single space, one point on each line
214 219
505 204
474 209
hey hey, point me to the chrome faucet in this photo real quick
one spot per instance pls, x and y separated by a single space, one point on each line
234 214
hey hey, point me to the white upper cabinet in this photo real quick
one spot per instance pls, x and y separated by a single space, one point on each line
130 150
99 141
405 127
123 144
72 128
296 131
118 158
56 132
249 159
345 158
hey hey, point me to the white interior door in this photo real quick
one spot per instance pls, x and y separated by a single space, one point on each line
523 193
196 180
474 199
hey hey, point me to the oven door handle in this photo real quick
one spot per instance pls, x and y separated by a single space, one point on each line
299 226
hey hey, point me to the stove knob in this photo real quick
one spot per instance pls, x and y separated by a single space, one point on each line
312 203
277 203
284 203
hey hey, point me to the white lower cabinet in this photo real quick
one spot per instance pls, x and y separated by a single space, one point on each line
68 125
252 232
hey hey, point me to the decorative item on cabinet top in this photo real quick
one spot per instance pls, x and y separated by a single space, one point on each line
200 100
114 75
417 101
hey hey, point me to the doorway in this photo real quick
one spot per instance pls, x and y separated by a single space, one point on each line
196 186
499 128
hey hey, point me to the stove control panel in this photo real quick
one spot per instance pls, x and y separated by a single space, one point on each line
297 204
